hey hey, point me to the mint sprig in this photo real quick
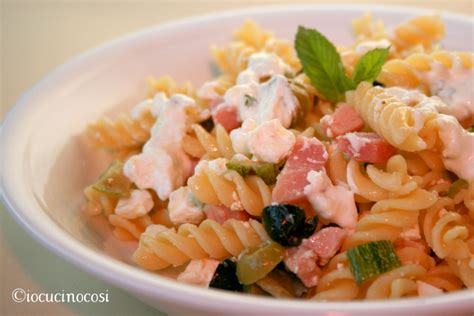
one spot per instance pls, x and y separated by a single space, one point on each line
323 65
369 65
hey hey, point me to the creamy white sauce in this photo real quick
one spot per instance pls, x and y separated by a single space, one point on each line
139 203
163 165
455 86
184 208
458 147
333 203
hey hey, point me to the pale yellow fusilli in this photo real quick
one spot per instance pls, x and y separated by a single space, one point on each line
205 145
398 200
208 240
402 125
126 134
337 281
412 71
248 39
248 193
420 30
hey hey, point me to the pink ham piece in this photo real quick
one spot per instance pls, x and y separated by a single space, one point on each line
344 120
221 214
227 116
317 249
325 243
302 262
366 147
307 154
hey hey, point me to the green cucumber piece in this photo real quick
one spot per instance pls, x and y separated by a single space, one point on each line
255 263
372 259
268 172
113 182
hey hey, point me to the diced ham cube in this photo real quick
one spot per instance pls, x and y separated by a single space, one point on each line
366 147
307 154
325 243
302 262
221 214
199 272
317 249
227 116
344 120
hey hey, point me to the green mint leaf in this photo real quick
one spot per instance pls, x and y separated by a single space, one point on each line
322 64
370 65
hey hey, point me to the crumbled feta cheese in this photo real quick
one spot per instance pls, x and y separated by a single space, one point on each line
267 142
333 203
454 86
458 147
356 142
276 101
199 272
240 137
139 203
218 166
267 64
236 203
366 46
184 208
271 142
163 165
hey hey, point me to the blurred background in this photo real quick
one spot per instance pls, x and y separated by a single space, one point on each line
37 36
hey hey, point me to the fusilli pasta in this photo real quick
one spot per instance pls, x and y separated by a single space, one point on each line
208 240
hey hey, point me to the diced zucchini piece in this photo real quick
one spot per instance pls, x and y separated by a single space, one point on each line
372 259
267 171
457 186
255 263
113 182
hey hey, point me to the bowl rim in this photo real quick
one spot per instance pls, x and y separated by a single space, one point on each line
140 281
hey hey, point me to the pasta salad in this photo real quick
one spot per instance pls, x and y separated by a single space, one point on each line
303 169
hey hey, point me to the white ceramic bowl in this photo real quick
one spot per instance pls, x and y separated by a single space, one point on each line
45 166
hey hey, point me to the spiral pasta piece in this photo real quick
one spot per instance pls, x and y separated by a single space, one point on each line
232 58
399 123
398 200
229 188
129 132
396 283
207 145
337 282
445 231
208 240
412 72
420 30
442 277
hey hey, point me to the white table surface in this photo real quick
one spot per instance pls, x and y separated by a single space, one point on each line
38 35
